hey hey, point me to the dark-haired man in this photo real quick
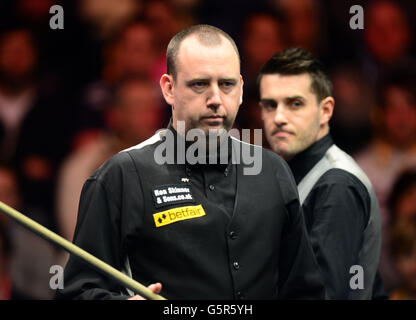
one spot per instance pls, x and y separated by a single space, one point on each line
205 230
340 207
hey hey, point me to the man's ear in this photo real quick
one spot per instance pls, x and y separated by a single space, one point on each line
327 108
166 84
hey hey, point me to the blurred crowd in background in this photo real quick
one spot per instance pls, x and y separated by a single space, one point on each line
71 98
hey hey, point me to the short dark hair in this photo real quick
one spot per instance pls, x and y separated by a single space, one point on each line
207 34
294 61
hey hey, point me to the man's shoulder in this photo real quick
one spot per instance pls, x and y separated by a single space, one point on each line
339 177
344 169
147 146
126 161
113 167
338 183
340 190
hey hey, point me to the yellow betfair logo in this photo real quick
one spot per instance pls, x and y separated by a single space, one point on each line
177 214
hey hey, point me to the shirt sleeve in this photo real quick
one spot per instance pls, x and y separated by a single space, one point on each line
97 232
337 210
299 275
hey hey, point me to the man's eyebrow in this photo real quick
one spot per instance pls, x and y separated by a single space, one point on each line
197 80
192 82
291 98
267 100
228 79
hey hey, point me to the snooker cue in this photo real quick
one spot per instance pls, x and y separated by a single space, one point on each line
84 255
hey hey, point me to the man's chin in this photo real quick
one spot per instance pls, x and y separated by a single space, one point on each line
283 151
213 130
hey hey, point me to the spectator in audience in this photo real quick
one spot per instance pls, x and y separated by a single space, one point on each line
402 199
138 49
33 125
106 18
17 67
166 18
403 246
305 24
394 145
29 261
387 39
392 150
262 36
133 53
401 205
351 122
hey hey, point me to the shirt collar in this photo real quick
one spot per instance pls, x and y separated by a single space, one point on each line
304 161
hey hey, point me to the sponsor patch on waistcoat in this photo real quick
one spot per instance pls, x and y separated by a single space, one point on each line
178 214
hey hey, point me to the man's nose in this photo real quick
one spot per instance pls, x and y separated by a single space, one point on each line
214 97
280 116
